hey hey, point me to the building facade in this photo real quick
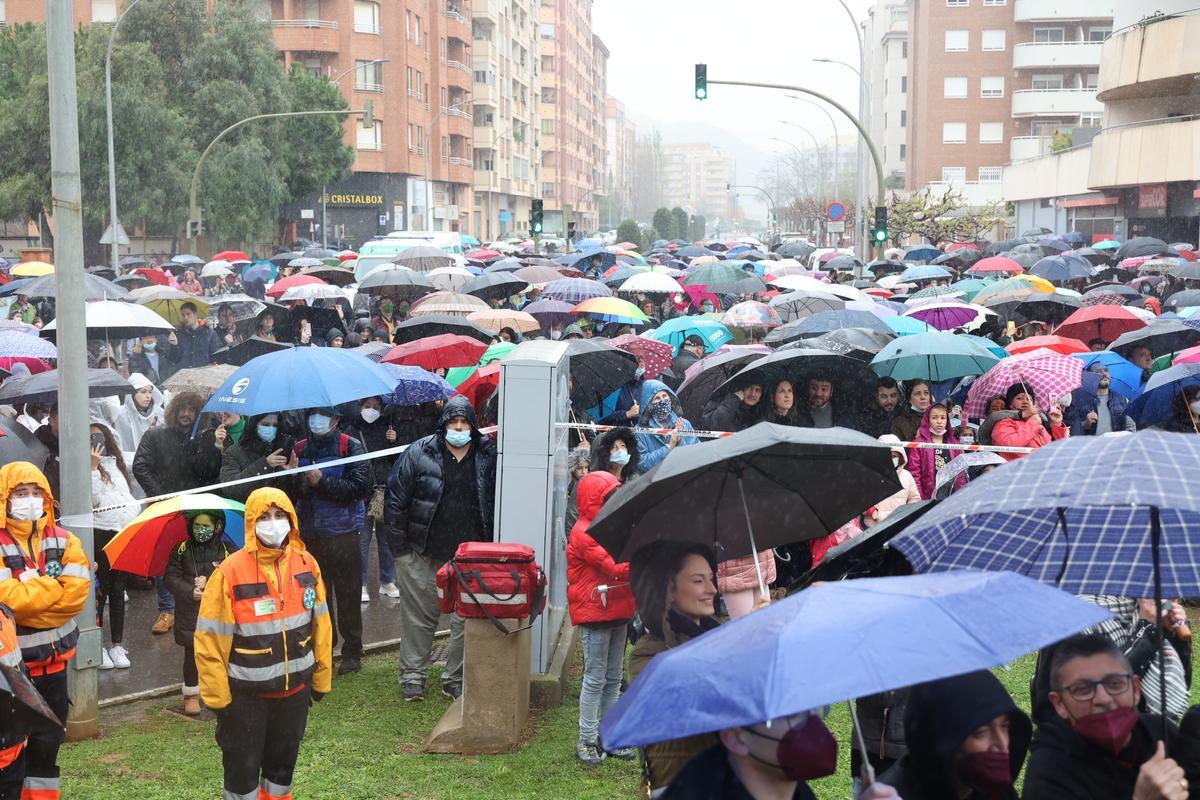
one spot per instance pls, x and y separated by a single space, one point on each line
885 38
696 177
621 149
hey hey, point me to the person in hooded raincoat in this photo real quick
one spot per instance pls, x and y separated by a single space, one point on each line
907 493
925 462
142 411
264 649
660 408
45 579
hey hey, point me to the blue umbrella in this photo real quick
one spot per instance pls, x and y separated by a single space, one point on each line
932 356
14 344
674 331
923 252
799 654
591 261
259 271
591 245
987 344
907 326
1156 402
926 272
1126 376
300 377
469 241
415 386
575 290
1062 268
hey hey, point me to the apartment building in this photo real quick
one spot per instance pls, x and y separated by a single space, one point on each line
696 178
506 66
885 38
621 150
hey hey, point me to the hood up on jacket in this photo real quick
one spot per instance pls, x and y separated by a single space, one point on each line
458 406
139 381
924 433
897 447
651 388
15 473
594 489
257 503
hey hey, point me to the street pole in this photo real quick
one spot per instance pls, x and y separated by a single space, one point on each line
864 115
429 156
325 189
75 492
114 248
771 200
491 180
819 197
837 142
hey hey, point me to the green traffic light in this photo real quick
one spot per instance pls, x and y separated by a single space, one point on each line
701 93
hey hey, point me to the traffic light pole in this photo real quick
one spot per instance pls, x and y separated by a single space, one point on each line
861 129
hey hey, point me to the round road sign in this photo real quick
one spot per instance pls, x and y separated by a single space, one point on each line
835 211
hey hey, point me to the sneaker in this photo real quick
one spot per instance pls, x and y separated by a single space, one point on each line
349 665
389 590
105 661
366 596
623 753
164 623
590 755
413 692
119 656
451 691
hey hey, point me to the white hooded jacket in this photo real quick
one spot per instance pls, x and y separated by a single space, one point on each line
131 423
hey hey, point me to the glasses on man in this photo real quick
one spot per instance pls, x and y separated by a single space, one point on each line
1115 684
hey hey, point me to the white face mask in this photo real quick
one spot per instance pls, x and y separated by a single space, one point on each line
26 509
369 415
1065 401
272 532
1195 404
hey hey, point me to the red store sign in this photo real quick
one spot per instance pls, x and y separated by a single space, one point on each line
1152 196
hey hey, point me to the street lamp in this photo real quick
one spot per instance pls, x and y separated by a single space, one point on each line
346 72
771 200
114 248
428 153
864 115
817 147
837 141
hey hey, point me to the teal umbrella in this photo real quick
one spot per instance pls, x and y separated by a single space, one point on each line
674 331
907 326
933 357
986 344
971 287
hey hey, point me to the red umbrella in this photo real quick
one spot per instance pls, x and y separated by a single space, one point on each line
655 355
996 264
1104 321
155 276
1059 344
347 255
482 254
445 350
481 385
627 246
231 255
827 257
282 286
1187 255
701 293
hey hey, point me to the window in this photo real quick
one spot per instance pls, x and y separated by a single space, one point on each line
368 76
903 151
991 132
903 84
546 30
1091 81
991 86
953 88
412 137
957 41
408 25
1091 119
312 9
903 118
954 174
1099 33
548 127
408 81
366 17
1048 35
369 138
954 133
547 190
549 94
314 67
995 2
993 40
416 30
904 49
1047 83
990 174
958 3
104 10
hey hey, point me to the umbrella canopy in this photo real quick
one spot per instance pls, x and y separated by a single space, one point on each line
675 331
446 303
851 378
550 312
844 263
443 351
538 275
43 387
392 280
17 443
864 556
724 279
14 344
826 321
703 377
167 302
1048 374
434 324
575 290
298 378
494 285
493 319
1063 345
1156 404
217 268
656 356
144 546
1140 246
280 286
1160 337
996 265
451 279
933 357
244 306
611 309
415 385
751 314
796 305
945 316
907 326
423 258
310 292
798 654
857 343
650 283
31 269
1126 376
201 380
112 319
597 370
1184 299
760 488
338 276
925 273
1107 322
922 252
94 288
243 351
1061 268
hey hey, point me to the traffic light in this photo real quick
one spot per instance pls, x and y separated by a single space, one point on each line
195 227
702 81
535 218
879 234
368 121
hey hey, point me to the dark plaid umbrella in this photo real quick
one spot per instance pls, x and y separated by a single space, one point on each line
1161 337
432 325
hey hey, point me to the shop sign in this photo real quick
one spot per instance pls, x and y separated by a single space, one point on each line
1152 196
359 200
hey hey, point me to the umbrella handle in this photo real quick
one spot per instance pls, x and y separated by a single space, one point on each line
868 770
762 586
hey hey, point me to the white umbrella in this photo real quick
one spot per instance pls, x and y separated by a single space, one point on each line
892 283
312 291
117 320
650 283
216 269
450 279
801 283
846 292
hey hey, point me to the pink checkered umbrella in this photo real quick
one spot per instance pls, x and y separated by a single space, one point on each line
655 355
1046 373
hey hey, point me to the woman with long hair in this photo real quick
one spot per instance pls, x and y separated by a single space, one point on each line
115 507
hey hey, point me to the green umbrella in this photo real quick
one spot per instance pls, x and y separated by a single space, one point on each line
724 279
456 375
934 291
971 287
496 352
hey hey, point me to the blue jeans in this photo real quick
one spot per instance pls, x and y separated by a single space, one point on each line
387 562
166 600
603 667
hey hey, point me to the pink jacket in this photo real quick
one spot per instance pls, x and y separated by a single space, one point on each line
737 574
922 463
1025 433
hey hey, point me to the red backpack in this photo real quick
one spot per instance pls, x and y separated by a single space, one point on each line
492 580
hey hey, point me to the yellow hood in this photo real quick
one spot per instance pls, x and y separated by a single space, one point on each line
15 473
258 502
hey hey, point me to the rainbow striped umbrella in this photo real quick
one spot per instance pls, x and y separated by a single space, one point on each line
611 309
145 544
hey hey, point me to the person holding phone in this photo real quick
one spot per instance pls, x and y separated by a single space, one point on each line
111 484
262 450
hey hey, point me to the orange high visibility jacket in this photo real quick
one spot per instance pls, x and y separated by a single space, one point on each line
10 656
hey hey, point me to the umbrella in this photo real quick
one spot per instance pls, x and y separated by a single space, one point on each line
493 319
167 302
300 377
446 303
946 316
201 380
25 709
650 283
434 324
43 387
397 281
724 279
442 351
14 344
591 261
611 309
32 269
304 262
310 292
693 251
792 306
1188 271
826 321
1107 322
549 313
799 654
575 290
494 286
922 252
451 279
144 546
907 326
94 288
1140 246
284 258
1126 377
154 275
675 331
231 255
244 306
504 265
1107 244
1038 306
415 385
703 377
597 370
751 314
338 276
851 378
656 355
926 272
844 263
1155 405
1184 299
372 350
944 483
538 275
243 351
995 264
1160 337
933 357
857 343
1061 268
479 254
1063 345
217 268
282 285
1048 374
17 443
932 292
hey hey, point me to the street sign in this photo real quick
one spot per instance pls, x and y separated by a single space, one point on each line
835 212
122 239
838 226
307 213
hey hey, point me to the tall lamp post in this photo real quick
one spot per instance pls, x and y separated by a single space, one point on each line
428 156
860 184
114 247
325 189
837 141
800 155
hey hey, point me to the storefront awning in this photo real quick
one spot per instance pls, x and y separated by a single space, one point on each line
1090 202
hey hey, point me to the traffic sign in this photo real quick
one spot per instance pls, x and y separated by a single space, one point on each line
838 226
122 238
836 211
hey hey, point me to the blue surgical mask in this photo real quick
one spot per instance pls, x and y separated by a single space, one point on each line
320 424
458 438
150 347
619 457
267 432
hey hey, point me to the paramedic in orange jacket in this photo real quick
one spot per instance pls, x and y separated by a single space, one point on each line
264 647
45 579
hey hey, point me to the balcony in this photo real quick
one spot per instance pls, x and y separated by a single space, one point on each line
485 50
1060 10
453 12
1055 102
1056 54
1021 148
305 35
1155 151
485 94
1156 59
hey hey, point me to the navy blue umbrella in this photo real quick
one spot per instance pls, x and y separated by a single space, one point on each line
923 252
799 654
592 261
1156 402
415 385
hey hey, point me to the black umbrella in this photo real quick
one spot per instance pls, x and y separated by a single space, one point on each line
282 259
852 379
247 349
796 250
693 251
764 487
862 344
843 263
1190 297
43 387
866 555
495 285
320 320
132 281
508 264
695 392
1189 271
1043 307
1161 337
22 707
101 271
94 288
18 444
337 276
1112 287
133 261
882 266
597 370
1091 254
1062 268
996 248
1141 246
952 260
319 252
432 325
393 280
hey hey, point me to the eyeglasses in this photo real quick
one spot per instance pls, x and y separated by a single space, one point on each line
1115 684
